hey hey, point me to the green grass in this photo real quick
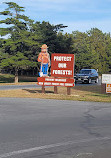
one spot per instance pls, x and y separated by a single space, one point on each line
100 95
6 78
80 93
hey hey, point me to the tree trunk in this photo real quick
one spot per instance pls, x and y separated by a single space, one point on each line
21 72
16 75
33 72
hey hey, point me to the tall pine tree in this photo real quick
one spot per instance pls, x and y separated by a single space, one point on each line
18 29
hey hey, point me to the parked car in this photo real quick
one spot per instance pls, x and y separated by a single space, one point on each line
86 76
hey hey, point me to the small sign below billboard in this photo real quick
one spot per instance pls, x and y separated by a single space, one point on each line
106 78
62 65
108 88
51 81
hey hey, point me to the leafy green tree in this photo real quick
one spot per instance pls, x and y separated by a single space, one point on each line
49 34
64 43
17 62
20 38
81 49
99 42
92 50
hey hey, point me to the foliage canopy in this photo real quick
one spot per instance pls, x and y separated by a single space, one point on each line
19 51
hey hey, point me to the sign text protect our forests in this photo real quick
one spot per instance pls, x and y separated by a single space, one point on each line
62 65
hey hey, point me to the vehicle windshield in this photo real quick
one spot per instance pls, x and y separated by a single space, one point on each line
85 71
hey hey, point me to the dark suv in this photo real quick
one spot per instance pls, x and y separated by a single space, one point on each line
86 76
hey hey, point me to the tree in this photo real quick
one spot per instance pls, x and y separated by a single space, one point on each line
19 40
81 49
49 34
99 42
64 43
16 62
92 50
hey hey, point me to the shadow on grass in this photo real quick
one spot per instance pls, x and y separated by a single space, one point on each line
38 91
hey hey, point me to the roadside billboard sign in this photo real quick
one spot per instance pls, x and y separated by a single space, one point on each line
108 88
62 65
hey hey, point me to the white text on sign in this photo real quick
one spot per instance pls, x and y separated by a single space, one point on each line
62 58
62 72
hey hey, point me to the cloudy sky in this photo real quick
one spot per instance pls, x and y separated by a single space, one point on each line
81 15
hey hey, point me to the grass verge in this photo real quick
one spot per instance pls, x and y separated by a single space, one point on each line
7 79
79 93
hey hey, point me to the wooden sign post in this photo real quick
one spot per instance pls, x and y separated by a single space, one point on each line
55 90
43 89
68 90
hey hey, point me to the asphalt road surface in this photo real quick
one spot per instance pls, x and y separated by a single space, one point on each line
37 86
6 87
39 128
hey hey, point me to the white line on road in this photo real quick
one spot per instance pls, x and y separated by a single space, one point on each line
50 146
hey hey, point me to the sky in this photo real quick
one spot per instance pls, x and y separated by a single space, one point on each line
78 15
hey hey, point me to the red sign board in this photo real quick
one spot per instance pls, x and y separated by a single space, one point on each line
108 88
51 81
62 65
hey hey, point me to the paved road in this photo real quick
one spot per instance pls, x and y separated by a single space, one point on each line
37 86
37 128
19 86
